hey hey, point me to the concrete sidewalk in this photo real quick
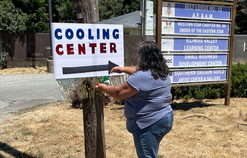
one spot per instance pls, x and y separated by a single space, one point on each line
19 92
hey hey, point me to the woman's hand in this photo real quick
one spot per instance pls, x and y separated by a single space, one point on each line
117 69
99 87
127 70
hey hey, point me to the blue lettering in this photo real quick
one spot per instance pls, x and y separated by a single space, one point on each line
98 34
69 34
80 34
105 33
90 34
116 33
56 34
168 60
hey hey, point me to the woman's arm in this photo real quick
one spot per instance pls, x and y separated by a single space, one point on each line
127 70
121 92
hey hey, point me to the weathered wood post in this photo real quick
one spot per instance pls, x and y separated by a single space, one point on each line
93 117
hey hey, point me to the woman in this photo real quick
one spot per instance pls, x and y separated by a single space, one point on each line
147 99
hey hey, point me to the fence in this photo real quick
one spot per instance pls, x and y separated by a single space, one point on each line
240 49
27 50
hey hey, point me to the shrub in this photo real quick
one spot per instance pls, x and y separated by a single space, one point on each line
3 60
239 80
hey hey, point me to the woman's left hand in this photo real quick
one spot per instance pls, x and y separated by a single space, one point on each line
99 86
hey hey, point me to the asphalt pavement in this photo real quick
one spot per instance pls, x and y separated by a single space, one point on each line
19 92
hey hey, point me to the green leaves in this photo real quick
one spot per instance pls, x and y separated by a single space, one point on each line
12 20
64 10
110 9
3 60
241 21
37 13
239 80
113 8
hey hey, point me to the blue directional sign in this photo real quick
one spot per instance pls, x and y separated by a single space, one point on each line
196 60
194 44
203 75
195 28
195 11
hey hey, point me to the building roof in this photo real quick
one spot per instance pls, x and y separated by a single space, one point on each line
130 20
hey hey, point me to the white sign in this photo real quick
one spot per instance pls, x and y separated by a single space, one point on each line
169 60
86 50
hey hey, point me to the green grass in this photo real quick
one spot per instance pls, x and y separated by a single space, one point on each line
25 132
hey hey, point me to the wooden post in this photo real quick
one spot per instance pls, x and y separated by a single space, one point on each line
144 3
100 126
228 85
87 11
89 122
93 116
158 22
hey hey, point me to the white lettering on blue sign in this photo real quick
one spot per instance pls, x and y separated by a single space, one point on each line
198 75
190 40
195 11
202 16
191 47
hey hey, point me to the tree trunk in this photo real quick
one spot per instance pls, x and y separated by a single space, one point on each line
93 116
100 144
89 122
87 11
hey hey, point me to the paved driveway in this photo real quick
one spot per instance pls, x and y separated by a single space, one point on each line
23 91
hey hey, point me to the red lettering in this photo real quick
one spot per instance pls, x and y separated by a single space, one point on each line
81 49
102 47
93 45
113 48
70 49
57 49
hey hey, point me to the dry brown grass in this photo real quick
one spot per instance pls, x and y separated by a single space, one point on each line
56 130
24 70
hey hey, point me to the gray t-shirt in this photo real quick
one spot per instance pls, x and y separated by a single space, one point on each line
151 103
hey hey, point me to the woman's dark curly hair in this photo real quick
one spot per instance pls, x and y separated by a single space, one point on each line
152 59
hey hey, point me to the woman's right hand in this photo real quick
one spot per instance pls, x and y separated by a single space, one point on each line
117 69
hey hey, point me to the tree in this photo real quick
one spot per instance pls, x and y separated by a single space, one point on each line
37 11
64 10
131 5
88 11
38 16
93 117
110 9
12 20
241 21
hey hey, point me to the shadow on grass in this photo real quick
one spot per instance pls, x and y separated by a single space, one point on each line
183 106
121 108
12 151
189 105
